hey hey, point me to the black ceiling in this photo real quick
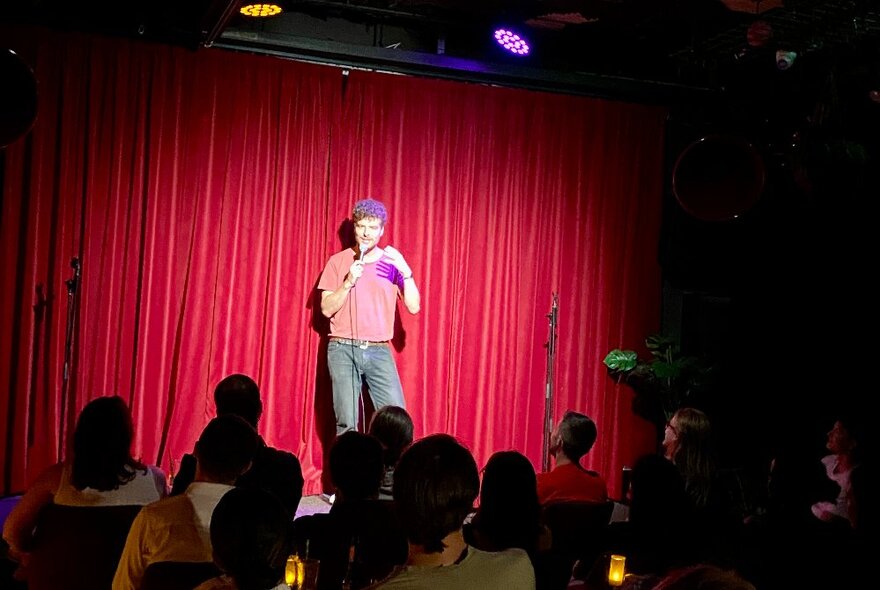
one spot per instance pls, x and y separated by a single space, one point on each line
577 44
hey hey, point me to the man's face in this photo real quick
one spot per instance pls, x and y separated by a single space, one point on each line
367 232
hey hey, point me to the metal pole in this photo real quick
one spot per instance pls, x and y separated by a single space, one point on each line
548 388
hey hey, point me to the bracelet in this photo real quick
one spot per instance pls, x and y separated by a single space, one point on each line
409 277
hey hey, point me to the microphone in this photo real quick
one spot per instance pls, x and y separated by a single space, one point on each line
362 251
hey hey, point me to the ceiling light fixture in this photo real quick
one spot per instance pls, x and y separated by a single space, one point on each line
260 10
512 42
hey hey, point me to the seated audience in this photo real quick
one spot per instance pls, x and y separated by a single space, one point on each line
509 514
99 472
702 577
393 427
273 470
787 546
435 485
249 538
688 443
359 538
844 444
660 533
177 528
573 437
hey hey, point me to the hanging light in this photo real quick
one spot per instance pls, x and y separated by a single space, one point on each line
260 10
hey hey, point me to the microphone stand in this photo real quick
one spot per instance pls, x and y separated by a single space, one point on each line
548 390
72 303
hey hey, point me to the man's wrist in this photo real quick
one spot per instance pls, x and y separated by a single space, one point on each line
408 277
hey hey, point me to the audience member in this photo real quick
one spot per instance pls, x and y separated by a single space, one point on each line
273 470
659 533
687 443
702 577
573 437
393 426
99 472
359 538
787 546
435 485
844 444
177 528
509 514
249 538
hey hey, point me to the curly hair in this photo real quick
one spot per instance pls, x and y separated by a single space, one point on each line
369 208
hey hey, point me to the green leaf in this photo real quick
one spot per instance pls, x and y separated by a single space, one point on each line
621 360
665 370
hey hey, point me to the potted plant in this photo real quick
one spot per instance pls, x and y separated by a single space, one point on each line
664 382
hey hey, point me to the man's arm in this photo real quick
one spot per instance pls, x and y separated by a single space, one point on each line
411 296
331 301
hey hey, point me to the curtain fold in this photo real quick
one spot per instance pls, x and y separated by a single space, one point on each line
203 192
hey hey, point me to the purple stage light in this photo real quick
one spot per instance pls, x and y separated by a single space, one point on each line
512 42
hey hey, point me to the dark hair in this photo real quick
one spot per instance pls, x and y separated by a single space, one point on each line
509 514
226 447
694 456
435 485
356 465
249 538
659 498
703 577
102 446
393 426
238 394
369 208
578 435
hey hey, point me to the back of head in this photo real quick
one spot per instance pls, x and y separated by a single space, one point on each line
393 426
225 448
509 509
356 465
577 433
238 394
702 577
435 485
659 498
102 445
248 536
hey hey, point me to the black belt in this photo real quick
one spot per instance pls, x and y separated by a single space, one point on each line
358 343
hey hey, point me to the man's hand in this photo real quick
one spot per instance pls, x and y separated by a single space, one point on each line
396 258
354 272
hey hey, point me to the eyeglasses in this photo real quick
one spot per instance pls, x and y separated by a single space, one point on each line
672 428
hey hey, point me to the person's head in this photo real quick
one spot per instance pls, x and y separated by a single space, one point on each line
702 577
435 485
356 466
225 449
687 432
102 445
847 436
687 442
658 492
509 509
369 218
393 426
248 537
238 394
575 435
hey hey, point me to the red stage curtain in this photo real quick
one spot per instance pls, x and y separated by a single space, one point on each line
203 192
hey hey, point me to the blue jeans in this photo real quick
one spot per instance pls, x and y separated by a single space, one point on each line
351 365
